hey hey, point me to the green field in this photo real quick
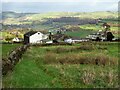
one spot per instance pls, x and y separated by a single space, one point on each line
81 33
66 67
7 48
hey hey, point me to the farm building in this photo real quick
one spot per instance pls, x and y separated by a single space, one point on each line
75 40
16 39
34 37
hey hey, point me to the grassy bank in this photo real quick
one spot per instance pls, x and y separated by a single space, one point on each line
7 48
58 66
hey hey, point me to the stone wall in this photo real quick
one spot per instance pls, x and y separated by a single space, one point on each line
13 58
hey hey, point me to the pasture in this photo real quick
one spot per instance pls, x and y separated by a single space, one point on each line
80 33
7 48
84 65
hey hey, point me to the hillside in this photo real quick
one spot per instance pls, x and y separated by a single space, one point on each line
41 16
80 22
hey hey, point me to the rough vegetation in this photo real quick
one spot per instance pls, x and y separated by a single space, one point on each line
66 67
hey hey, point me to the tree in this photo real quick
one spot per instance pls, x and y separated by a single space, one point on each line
109 36
8 39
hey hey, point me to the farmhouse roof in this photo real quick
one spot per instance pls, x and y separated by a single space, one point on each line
58 36
30 33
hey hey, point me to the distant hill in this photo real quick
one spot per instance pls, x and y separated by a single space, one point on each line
10 14
53 20
16 18
91 15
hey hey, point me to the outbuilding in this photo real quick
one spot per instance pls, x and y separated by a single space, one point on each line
17 40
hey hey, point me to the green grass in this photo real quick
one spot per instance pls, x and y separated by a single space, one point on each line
82 33
33 72
96 28
6 48
93 27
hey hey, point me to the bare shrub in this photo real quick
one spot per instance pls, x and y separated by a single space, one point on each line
50 58
62 49
113 61
102 59
86 58
88 76
69 59
86 47
102 47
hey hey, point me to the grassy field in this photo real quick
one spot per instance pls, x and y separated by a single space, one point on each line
6 48
66 67
81 33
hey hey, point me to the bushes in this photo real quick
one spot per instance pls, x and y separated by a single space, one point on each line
86 47
88 76
63 50
77 55
52 44
85 58
59 50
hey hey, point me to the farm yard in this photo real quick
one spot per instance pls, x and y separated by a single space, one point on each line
83 65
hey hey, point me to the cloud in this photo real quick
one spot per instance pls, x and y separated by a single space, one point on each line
113 6
94 2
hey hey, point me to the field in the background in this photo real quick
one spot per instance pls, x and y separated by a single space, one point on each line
54 21
81 33
80 65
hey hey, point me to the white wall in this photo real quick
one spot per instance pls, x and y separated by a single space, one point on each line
37 37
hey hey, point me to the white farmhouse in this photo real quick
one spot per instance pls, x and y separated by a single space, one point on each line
34 37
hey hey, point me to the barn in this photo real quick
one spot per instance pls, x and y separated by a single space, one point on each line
34 37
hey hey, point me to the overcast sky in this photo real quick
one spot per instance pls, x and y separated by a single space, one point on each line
94 1
59 5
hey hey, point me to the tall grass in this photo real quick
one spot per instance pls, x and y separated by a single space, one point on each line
80 58
66 67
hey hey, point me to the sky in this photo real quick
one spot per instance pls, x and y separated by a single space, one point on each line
60 1
39 6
